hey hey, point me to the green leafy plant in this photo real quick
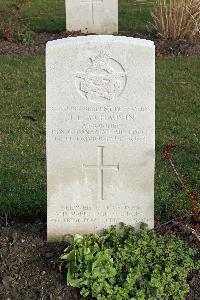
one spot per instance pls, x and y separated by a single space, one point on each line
121 264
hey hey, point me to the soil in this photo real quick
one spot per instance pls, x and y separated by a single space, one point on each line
37 41
31 268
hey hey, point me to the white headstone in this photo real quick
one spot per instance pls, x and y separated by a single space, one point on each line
92 16
100 133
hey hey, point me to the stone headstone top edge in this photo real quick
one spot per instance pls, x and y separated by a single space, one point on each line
101 38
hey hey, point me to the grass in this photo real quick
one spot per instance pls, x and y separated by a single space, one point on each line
22 141
177 20
22 115
177 107
22 132
135 15
49 15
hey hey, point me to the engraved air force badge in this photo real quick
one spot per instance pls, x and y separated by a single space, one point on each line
103 81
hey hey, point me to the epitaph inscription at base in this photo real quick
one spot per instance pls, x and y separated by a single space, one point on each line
100 133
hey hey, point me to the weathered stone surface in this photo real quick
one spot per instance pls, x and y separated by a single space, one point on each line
100 133
92 16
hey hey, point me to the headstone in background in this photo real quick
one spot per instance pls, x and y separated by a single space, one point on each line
92 16
100 133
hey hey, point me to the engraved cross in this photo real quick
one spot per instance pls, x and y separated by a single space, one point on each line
92 2
100 167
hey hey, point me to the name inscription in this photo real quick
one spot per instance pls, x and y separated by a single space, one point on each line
99 124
